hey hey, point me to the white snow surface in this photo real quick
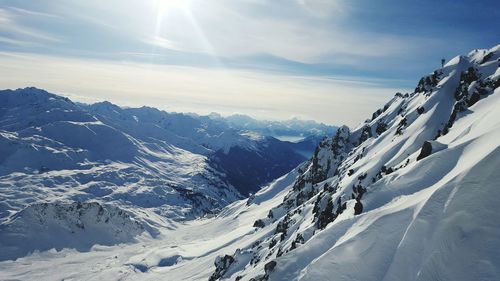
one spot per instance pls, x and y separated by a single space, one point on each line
431 219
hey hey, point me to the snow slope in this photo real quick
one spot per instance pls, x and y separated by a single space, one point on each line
408 195
180 251
366 209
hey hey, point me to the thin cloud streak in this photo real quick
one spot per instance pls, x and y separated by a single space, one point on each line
33 13
11 26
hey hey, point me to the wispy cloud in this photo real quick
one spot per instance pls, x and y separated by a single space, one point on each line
32 13
306 31
15 32
314 32
311 32
20 43
162 43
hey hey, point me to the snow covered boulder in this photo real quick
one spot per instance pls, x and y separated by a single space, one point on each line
430 147
221 266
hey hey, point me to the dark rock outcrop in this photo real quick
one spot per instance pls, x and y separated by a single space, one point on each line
425 151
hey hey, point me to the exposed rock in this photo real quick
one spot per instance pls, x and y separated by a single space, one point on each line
358 208
430 147
425 151
221 266
269 267
259 223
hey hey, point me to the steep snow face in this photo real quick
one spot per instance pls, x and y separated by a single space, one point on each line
403 196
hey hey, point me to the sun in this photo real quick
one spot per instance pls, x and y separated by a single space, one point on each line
165 5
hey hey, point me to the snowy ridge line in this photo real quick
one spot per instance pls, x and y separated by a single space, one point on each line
74 225
362 172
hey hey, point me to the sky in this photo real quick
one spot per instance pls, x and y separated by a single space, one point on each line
334 61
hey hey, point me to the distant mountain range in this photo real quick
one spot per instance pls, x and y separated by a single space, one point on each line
293 129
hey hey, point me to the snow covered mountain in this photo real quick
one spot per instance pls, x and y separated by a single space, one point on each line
52 148
247 160
405 196
408 195
179 166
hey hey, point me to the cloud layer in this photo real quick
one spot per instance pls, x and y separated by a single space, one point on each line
187 89
272 58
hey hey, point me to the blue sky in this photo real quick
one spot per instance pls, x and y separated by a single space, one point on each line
330 60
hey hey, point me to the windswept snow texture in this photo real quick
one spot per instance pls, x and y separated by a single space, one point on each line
362 208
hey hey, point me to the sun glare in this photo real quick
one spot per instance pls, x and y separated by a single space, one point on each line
165 5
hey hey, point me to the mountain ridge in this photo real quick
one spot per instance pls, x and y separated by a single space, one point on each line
361 172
